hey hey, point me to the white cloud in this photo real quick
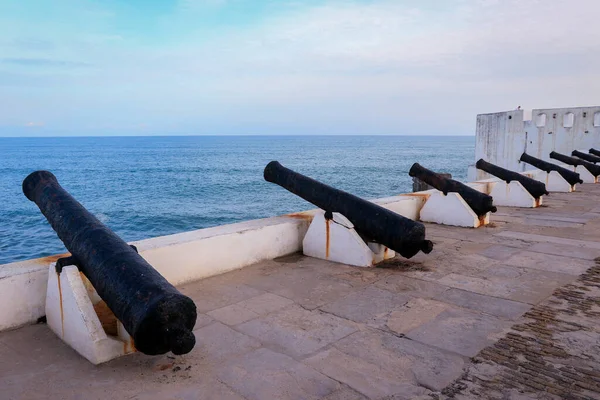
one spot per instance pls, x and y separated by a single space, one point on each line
34 124
425 67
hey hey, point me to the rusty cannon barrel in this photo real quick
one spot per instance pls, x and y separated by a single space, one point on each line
535 188
373 222
156 315
594 152
479 202
570 176
593 168
584 156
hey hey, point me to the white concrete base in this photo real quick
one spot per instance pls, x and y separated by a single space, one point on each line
554 182
70 313
336 240
512 194
585 175
451 210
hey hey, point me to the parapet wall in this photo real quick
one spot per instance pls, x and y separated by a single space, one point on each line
502 137
183 257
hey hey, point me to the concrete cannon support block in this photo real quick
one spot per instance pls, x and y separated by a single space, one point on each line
585 175
71 304
451 209
512 194
336 240
553 180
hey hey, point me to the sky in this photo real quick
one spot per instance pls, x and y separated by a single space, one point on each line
278 67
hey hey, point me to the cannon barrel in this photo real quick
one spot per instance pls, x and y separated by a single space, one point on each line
535 188
593 168
570 176
594 152
479 202
156 315
370 220
584 156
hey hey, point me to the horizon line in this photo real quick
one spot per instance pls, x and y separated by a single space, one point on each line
227 135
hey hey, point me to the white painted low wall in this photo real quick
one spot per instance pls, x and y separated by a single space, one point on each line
194 255
183 257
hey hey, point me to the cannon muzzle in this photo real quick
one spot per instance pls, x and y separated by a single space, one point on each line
570 176
479 202
585 156
156 315
593 168
375 223
535 188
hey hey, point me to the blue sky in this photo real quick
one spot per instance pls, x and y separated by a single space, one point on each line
132 67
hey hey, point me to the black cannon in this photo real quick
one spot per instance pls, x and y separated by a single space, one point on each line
479 202
593 168
373 222
570 176
594 152
156 315
535 188
587 157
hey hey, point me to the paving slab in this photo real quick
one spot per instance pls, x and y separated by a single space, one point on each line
451 261
249 309
203 320
305 286
372 380
233 314
297 331
562 262
265 303
208 296
460 331
379 364
482 235
500 272
36 345
414 314
499 252
7 353
556 217
490 305
565 250
551 223
549 239
217 342
530 287
345 393
265 374
405 285
370 306
209 389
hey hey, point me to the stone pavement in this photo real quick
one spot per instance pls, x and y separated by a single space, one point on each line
433 326
554 353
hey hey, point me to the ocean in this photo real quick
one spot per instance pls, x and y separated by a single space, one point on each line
144 187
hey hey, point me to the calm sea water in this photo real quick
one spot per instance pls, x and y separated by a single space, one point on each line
144 187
